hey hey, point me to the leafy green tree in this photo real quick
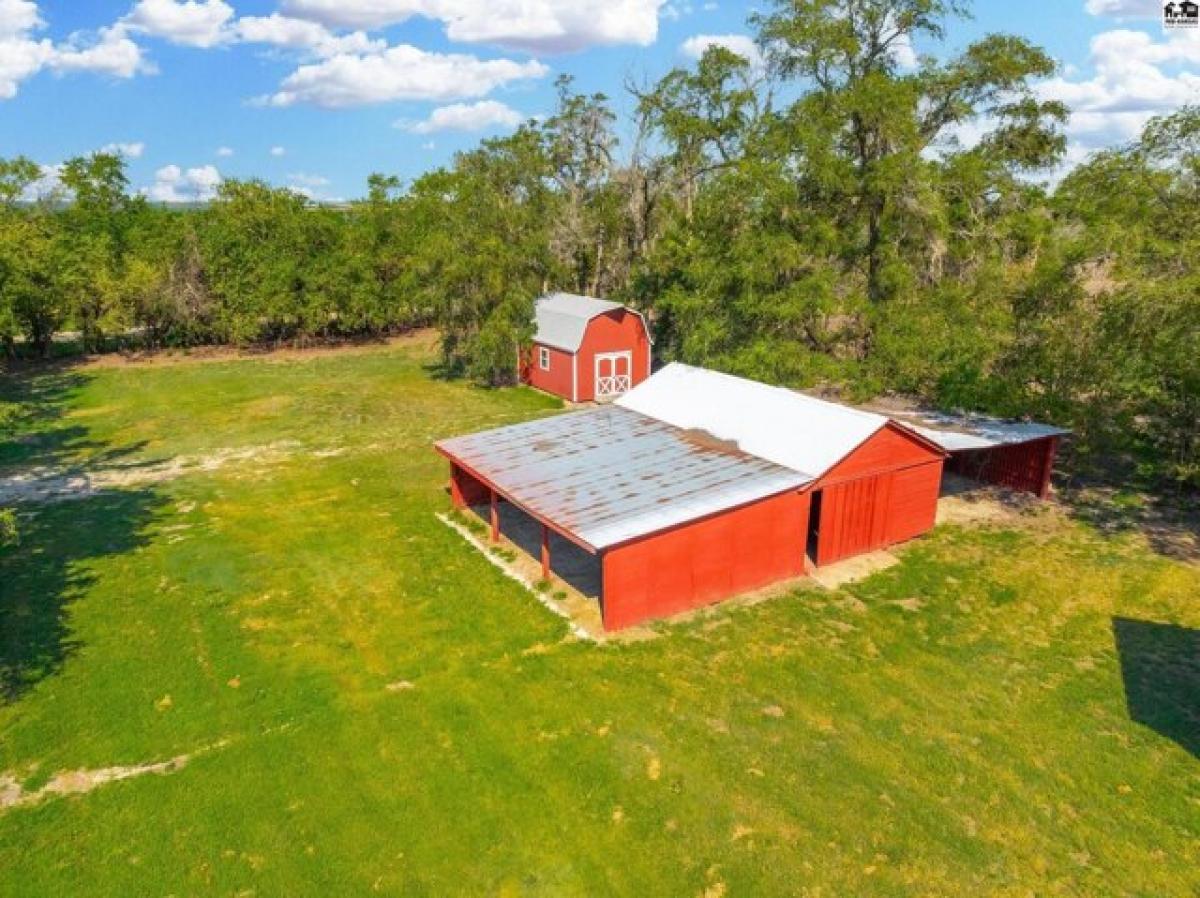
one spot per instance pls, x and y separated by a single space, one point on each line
32 300
93 243
863 124
484 251
1110 330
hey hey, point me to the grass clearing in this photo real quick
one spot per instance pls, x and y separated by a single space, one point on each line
368 705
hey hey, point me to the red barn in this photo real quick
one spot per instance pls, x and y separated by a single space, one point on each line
697 486
586 349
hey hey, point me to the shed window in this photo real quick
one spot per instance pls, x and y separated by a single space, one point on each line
543 358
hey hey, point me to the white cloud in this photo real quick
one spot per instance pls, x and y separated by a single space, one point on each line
428 145
741 44
132 150
193 23
1134 78
538 25
903 53
18 17
1126 9
301 34
174 185
110 53
49 182
224 152
402 72
21 58
675 11
308 180
278 151
466 117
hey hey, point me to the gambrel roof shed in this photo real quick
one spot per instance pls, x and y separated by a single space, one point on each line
561 319
586 349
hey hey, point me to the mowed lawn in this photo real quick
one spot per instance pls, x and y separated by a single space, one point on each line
362 704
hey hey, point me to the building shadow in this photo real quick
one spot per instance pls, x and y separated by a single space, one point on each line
1160 667
576 567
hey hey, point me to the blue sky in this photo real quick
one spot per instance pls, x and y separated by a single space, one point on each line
317 94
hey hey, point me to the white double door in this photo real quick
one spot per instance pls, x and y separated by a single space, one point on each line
613 370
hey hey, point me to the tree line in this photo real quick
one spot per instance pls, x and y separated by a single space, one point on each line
809 216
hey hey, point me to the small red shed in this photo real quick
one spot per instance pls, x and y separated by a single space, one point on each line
586 349
1018 455
697 485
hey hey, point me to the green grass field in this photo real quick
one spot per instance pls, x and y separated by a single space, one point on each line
361 704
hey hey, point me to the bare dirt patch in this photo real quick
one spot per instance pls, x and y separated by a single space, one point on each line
78 782
966 501
851 570
48 484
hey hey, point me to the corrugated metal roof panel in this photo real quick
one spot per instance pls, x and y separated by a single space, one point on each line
955 433
560 319
608 474
774 423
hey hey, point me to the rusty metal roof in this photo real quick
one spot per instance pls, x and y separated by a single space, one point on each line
609 474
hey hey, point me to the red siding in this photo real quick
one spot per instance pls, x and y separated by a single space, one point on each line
615 331
558 379
705 561
1025 466
884 492
466 490
889 448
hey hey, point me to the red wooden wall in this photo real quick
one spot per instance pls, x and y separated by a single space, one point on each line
1024 466
705 561
884 492
615 331
558 379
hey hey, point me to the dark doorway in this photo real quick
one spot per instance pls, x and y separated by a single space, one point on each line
814 526
1160 666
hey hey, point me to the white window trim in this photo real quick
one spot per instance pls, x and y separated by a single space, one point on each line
543 358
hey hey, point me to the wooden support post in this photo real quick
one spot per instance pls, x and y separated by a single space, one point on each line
495 518
545 552
1051 451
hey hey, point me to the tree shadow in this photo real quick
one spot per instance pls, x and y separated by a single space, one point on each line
1160 667
1169 523
445 371
50 568
51 564
31 405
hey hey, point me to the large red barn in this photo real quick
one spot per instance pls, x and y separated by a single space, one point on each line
697 485
586 349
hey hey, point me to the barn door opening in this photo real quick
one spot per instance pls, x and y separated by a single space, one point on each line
814 527
613 371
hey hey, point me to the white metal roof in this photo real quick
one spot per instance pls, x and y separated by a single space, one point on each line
609 474
956 432
799 432
561 319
